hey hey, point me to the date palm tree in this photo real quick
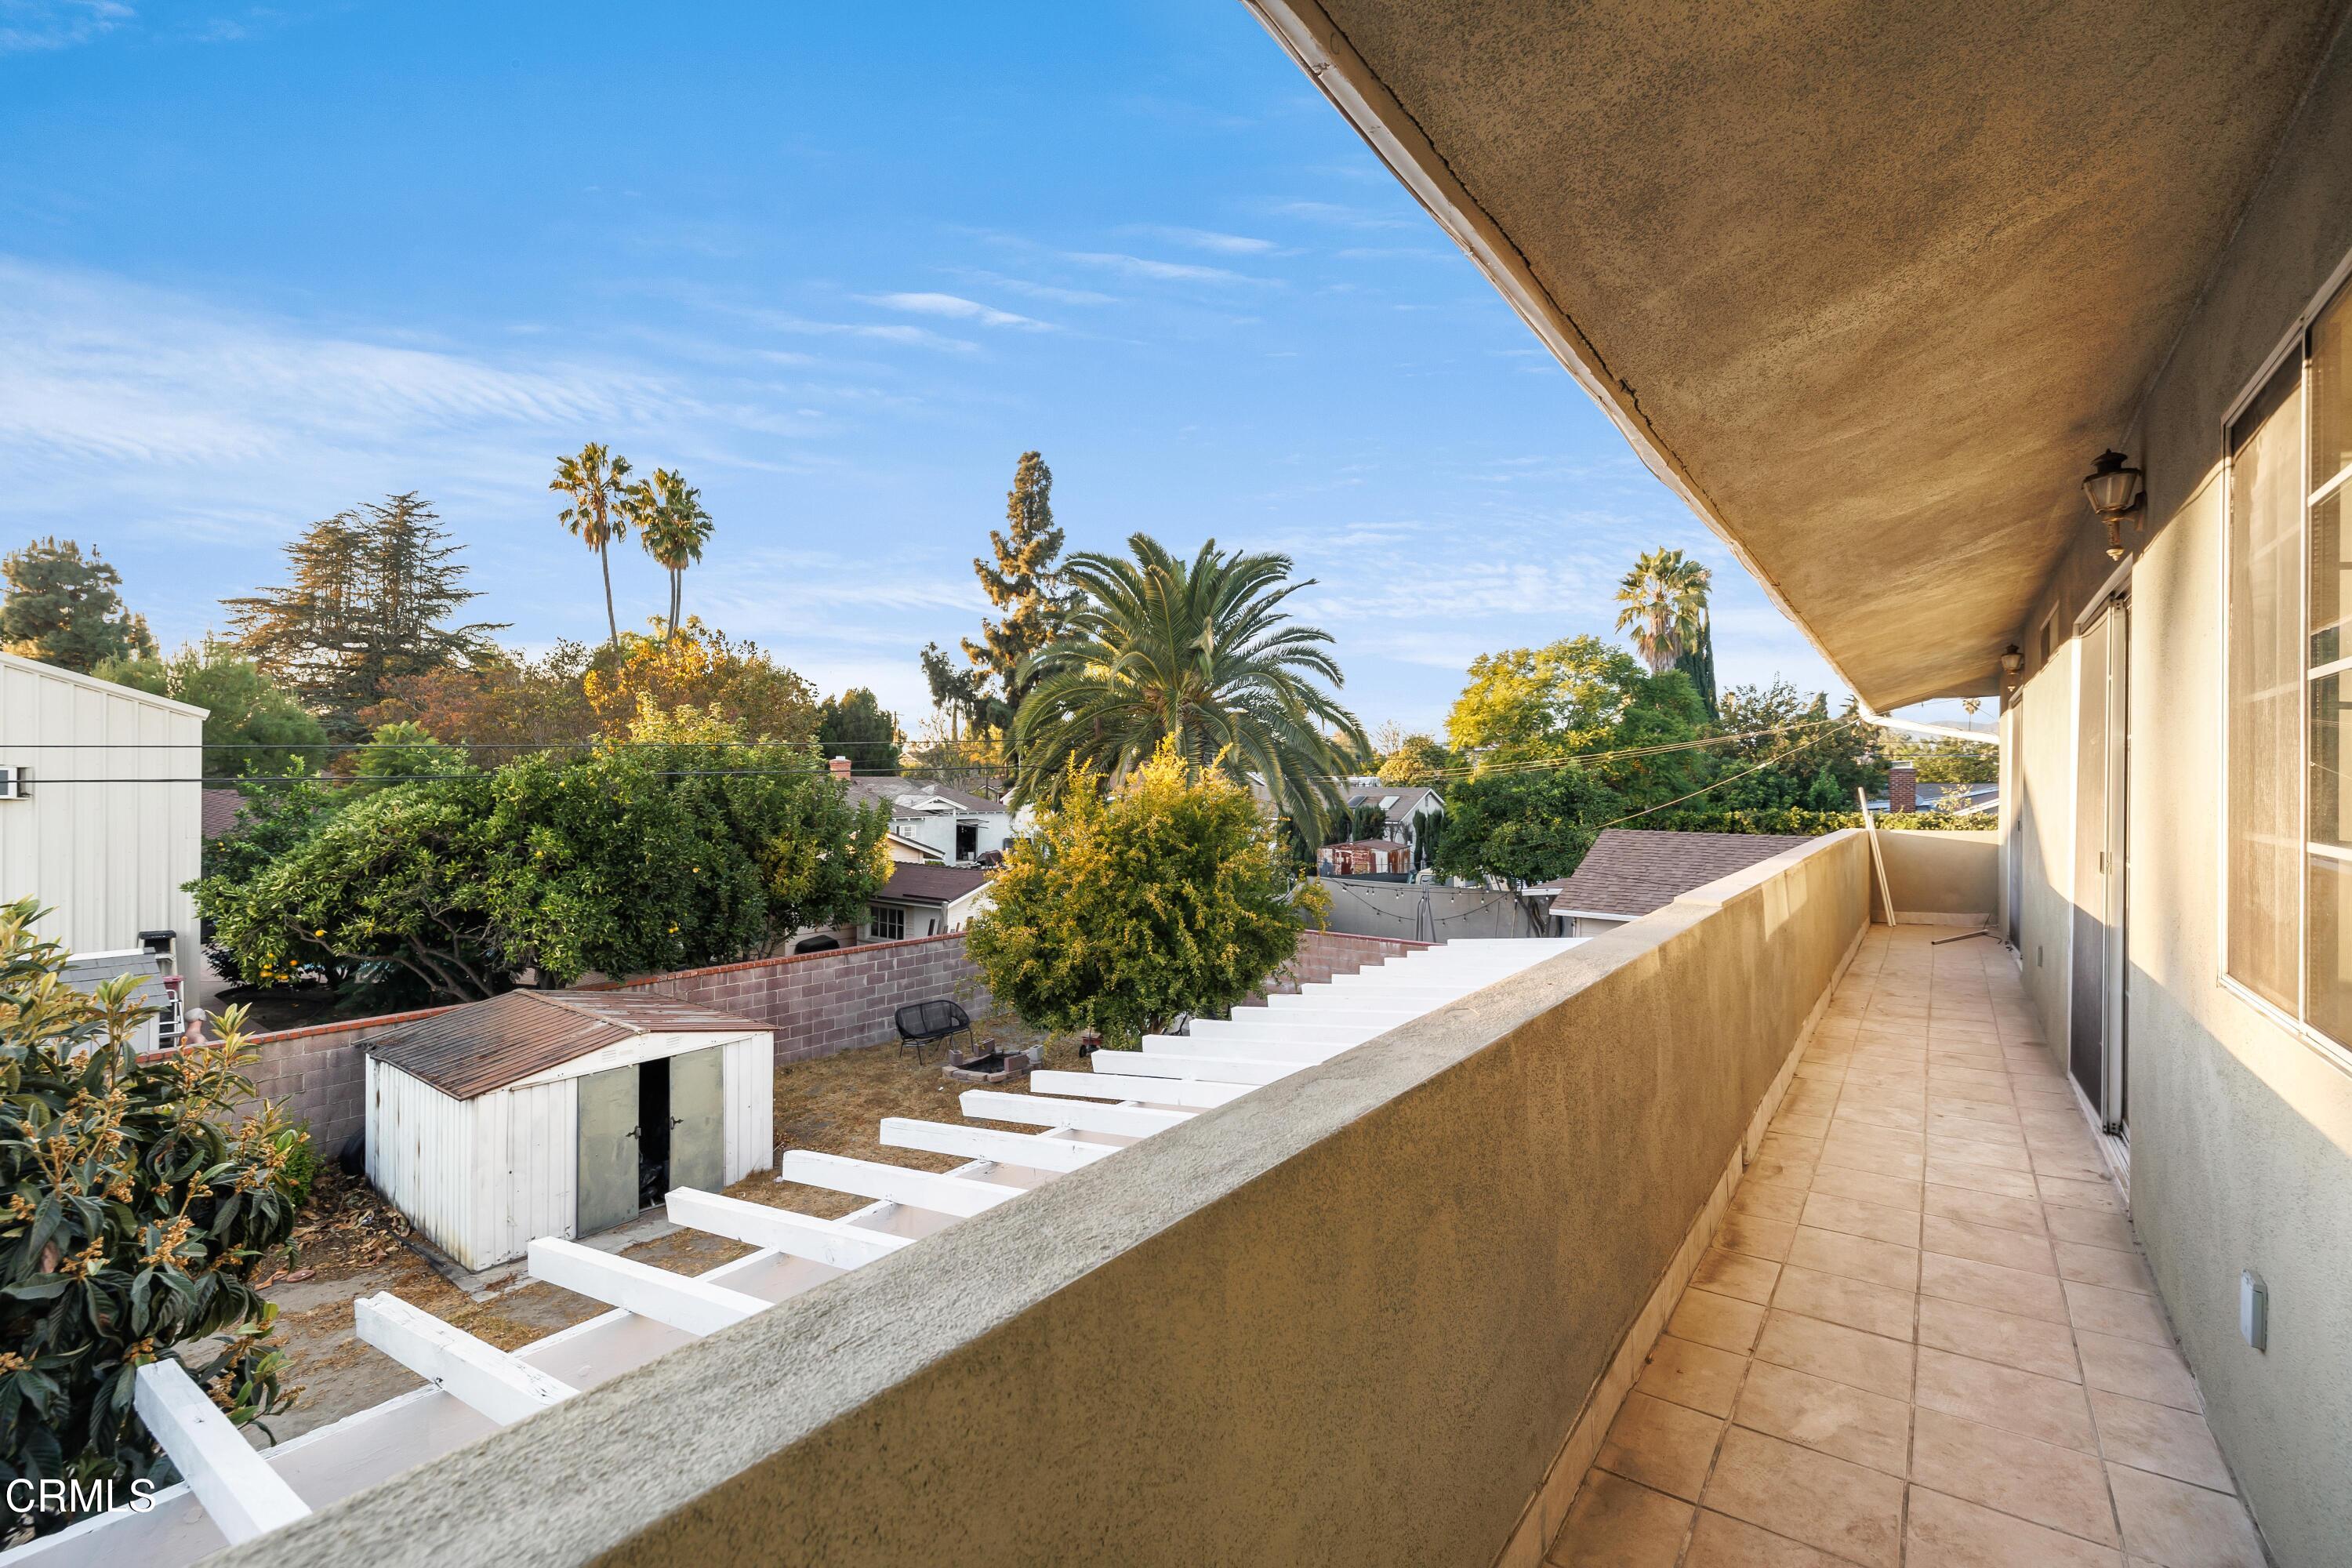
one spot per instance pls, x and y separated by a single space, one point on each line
1200 650
596 483
1664 604
667 514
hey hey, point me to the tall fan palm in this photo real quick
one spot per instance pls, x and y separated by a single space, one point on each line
667 514
1664 600
1200 650
596 481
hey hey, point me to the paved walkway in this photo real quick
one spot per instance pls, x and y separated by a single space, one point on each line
1924 1336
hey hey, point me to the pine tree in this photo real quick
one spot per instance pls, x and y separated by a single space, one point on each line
1022 583
373 592
62 608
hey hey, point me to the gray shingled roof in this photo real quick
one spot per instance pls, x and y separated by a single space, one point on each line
888 787
1631 871
912 883
221 808
468 1051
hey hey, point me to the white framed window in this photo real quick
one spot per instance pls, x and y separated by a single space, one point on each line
884 922
2288 831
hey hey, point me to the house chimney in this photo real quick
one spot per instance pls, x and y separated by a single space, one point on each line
841 770
1902 788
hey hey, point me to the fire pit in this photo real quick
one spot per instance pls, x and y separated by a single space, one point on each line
991 1067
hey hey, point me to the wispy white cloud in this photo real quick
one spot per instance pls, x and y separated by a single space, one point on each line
101 369
30 25
1343 216
957 307
1031 289
1163 271
1207 239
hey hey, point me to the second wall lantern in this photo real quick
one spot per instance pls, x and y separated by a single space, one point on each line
2115 494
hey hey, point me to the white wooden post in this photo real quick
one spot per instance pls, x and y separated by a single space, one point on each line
689 1305
243 1496
958 1196
1043 1110
1027 1149
825 1241
501 1386
1215 1070
1184 1091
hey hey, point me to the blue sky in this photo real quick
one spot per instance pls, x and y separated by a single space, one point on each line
840 265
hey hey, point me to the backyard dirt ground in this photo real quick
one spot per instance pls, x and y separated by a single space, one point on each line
349 1243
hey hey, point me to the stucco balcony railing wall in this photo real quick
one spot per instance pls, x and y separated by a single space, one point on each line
1380 1311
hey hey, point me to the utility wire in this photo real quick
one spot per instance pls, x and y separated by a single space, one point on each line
1728 778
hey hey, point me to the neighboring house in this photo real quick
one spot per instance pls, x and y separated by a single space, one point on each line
221 807
1629 872
107 842
923 900
1365 858
953 826
1907 792
1408 813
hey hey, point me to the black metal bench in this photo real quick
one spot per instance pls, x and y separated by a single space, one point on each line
925 1023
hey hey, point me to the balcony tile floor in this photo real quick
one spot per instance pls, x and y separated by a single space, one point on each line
1924 1336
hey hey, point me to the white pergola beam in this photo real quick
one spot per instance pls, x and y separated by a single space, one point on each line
501 1386
687 1304
1043 1110
1224 1048
958 1196
1251 1070
825 1241
243 1496
1028 1150
1189 1092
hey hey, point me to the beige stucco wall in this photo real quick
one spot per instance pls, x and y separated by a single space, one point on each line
1348 1318
1939 874
2240 1131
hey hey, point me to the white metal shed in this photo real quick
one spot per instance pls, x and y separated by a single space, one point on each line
562 1113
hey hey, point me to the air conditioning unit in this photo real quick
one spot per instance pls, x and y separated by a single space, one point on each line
15 783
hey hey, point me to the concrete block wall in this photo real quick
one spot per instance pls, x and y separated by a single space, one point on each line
319 1075
1324 954
817 1004
821 1003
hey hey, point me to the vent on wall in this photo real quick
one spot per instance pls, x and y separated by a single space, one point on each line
15 783
2049 635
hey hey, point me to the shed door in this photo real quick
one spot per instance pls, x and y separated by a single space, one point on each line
697 1109
608 1150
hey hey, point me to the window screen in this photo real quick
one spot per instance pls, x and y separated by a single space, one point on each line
2266 680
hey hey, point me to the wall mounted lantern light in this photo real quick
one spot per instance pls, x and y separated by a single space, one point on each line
2115 494
2012 661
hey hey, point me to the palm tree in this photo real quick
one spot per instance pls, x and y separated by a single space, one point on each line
672 526
1664 600
1202 650
593 481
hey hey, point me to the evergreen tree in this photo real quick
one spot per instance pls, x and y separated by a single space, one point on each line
253 727
373 594
1697 659
854 725
1022 583
62 608
963 696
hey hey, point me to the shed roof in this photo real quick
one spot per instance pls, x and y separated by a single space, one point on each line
467 1051
1631 871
